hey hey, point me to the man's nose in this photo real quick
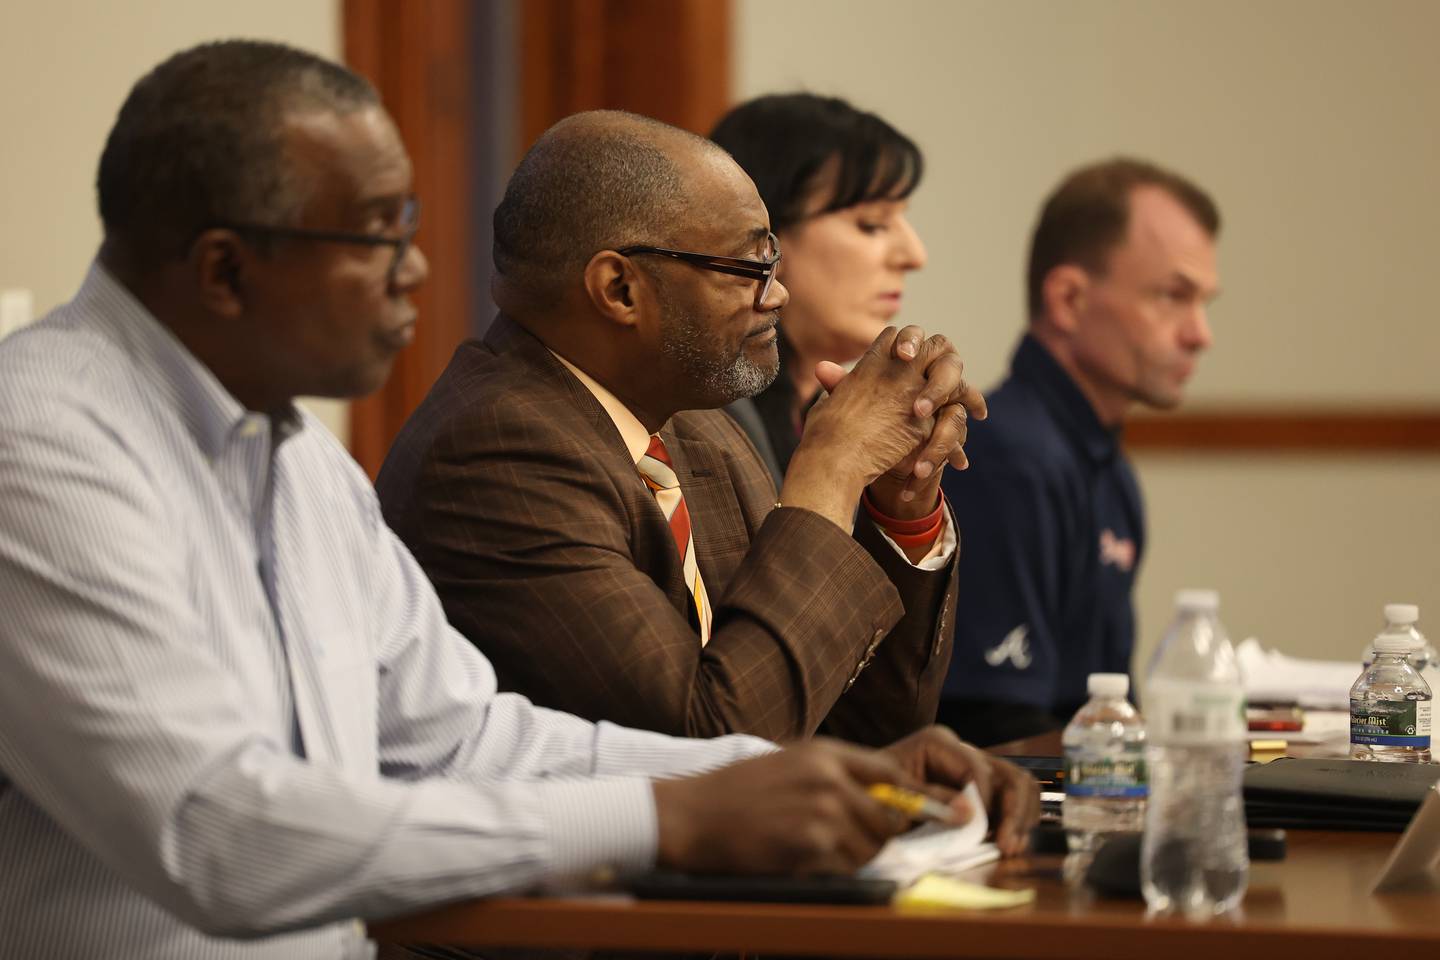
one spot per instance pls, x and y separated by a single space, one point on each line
775 298
412 270
1198 334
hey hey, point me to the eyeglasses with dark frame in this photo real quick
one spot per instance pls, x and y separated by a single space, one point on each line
409 224
761 270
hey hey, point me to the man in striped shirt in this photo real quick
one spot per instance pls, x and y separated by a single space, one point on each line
233 720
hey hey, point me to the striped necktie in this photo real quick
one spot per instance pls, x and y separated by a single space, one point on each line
659 475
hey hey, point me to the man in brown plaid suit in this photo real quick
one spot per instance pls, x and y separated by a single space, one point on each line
516 484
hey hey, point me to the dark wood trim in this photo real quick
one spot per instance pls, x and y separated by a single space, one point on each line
417 55
667 59
1314 430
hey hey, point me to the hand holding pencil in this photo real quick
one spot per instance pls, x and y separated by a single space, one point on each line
914 805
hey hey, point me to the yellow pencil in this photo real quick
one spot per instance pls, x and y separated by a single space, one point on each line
914 805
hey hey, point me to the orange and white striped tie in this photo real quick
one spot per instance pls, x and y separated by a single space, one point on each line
659 475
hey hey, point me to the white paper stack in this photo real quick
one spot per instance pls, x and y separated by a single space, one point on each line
936 848
1272 677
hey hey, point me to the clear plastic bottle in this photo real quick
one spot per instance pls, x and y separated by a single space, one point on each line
1400 618
1390 703
1105 785
1428 668
1195 853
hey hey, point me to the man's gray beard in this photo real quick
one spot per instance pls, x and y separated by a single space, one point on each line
682 340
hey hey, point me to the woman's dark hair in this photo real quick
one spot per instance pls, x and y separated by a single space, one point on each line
782 141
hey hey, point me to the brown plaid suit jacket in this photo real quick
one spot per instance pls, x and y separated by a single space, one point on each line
515 491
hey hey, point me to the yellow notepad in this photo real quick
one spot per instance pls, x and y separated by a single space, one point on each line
934 890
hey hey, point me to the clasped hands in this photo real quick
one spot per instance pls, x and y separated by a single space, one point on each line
890 424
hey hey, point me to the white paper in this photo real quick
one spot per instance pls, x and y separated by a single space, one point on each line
936 848
1271 677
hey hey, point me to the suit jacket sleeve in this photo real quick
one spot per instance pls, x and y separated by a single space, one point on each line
533 549
899 690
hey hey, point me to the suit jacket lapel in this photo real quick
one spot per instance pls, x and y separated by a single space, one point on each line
508 339
652 545
715 519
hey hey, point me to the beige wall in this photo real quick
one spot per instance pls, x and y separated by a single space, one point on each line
1313 123
1311 120
65 67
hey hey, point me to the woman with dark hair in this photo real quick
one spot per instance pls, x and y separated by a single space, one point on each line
836 181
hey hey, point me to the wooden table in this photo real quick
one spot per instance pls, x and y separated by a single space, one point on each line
1315 904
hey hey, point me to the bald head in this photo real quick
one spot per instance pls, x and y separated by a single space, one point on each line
594 181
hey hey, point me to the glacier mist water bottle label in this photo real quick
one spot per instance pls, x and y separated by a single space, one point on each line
1390 723
1179 712
1121 775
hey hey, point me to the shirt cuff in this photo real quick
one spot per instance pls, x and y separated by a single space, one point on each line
940 551
598 826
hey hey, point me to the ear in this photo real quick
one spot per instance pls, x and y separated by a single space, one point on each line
617 290
1064 294
217 260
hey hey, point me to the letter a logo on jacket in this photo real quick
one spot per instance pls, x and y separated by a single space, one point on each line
1015 648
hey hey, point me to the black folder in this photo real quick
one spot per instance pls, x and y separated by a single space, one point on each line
1336 794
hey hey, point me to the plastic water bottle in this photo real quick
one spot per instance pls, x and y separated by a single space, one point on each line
1195 853
1390 704
1105 784
1427 664
1403 618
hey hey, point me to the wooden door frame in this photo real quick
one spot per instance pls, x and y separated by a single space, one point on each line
417 55
669 59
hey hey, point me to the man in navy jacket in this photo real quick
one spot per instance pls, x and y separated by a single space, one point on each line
1122 268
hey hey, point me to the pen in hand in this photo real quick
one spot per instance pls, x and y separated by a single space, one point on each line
914 805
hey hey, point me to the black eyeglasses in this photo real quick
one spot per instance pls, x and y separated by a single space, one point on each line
409 223
761 270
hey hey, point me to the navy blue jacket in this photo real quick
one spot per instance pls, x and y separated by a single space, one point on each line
1052 528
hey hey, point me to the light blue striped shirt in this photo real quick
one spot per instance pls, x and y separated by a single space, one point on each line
232 716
